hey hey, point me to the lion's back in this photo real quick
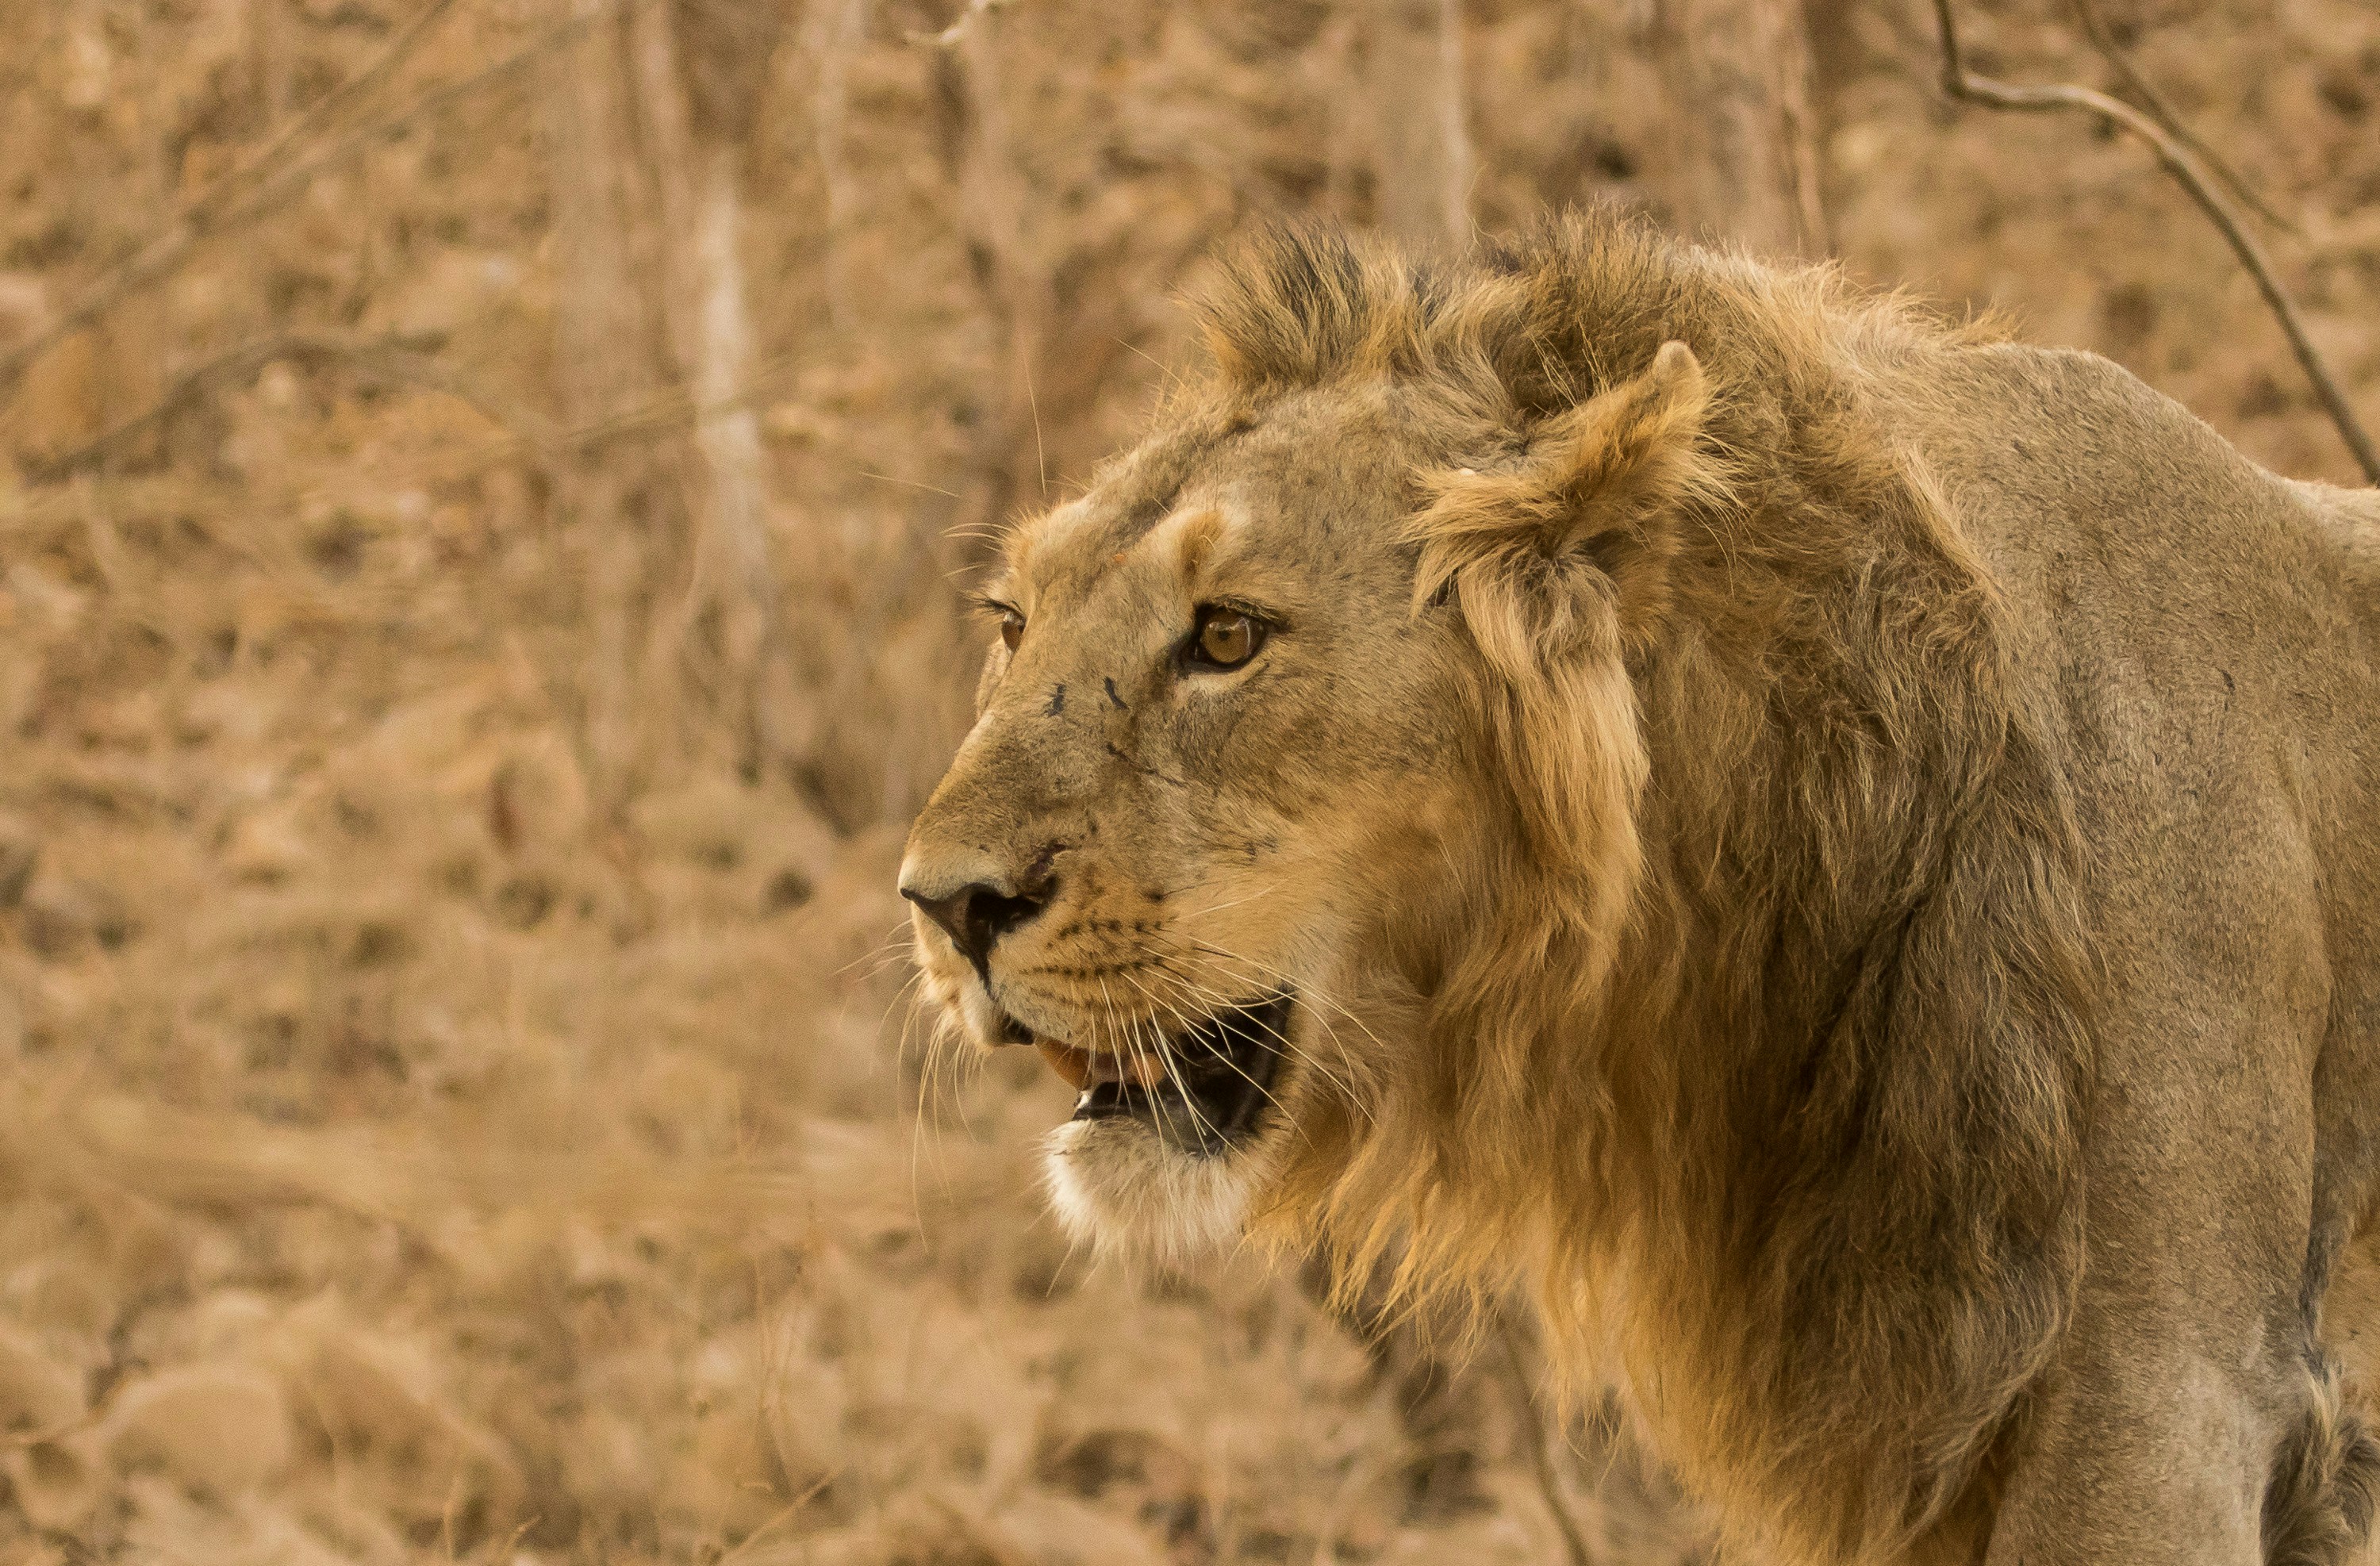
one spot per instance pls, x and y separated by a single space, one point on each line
2202 639
2182 616
2201 636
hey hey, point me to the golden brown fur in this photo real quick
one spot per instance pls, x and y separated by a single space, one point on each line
1687 812
1853 769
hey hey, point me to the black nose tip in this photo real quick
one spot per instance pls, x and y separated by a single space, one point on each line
979 915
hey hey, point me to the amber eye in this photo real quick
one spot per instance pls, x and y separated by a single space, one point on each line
1225 637
1012 628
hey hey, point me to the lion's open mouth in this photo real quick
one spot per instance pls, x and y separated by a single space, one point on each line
1203 1091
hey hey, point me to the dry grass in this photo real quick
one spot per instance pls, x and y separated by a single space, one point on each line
459 703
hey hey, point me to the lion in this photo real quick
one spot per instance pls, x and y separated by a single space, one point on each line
1832 854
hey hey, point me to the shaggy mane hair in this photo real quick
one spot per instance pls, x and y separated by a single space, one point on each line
1758 1048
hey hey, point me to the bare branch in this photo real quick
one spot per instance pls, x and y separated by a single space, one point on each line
158 255
390 360
951 36
2190 174
317 115
1423 163
667 412
220 209
2162 109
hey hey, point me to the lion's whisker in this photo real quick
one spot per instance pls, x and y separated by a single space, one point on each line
887 943
1188 1026
1268 974
1319 994
1189 1100
1289 1046
1234 903
1316 990
1157 1123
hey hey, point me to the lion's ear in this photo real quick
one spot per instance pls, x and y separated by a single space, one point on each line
1573 545
1559 566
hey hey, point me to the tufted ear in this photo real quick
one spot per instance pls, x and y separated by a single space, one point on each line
1573 544
1559 566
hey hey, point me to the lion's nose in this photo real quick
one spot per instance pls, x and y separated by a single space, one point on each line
978 914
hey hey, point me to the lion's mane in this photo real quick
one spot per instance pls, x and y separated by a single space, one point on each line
1765 1054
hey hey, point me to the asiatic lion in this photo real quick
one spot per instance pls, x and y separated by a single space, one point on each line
1836 855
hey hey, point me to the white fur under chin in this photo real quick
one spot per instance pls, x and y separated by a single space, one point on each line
1116 1189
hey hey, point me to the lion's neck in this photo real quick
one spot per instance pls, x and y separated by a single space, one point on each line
1822 1101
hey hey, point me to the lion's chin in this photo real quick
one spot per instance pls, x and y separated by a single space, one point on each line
1120 1190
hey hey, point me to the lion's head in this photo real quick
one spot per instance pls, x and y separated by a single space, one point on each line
1280 716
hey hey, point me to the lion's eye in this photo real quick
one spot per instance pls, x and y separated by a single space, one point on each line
1225 638
1012 628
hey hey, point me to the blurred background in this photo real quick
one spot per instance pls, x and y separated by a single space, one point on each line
486 493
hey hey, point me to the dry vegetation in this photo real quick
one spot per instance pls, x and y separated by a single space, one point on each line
477 604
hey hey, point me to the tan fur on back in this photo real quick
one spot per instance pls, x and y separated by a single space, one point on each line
1749 984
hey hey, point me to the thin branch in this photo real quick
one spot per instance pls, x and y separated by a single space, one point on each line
318 114
214 212
2161 108
389 360
672 410
202 215
2185 167
951 36
1541 1458
664 413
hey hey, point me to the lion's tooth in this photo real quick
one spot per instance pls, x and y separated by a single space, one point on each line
1074 1066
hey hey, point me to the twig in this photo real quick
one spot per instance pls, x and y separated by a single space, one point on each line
546 441
662 414
2162 109
159 254
320 113
673 409
389 359
162 254
782 1516
2186 169
1541 1459
949 36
